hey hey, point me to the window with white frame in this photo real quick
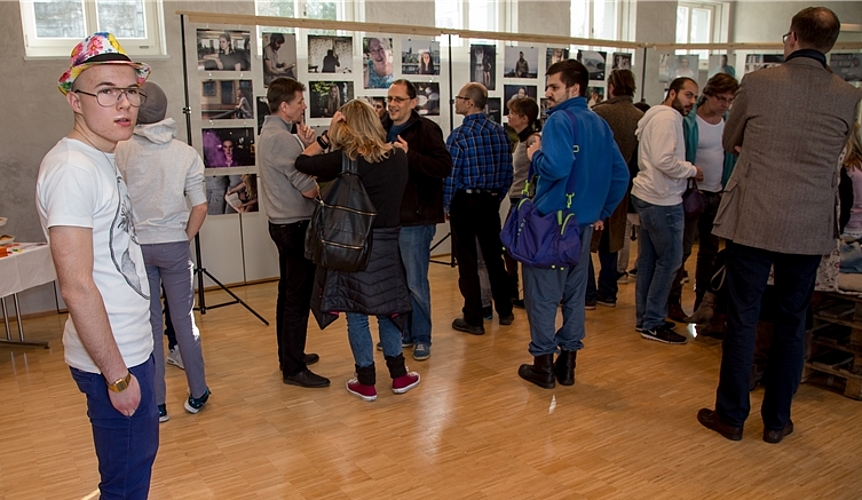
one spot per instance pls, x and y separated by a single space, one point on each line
53 27
700 22
476 15
334 10
601 19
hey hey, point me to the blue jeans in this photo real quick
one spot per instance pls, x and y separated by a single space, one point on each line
125 446
359 335
747 273
170 265
415 243
543 291
659 258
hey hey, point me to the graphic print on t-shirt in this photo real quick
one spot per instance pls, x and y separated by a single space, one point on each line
123 222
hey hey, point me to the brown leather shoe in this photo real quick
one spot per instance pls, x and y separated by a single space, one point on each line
710 419
775 437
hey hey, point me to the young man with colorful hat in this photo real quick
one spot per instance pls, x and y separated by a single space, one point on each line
86 214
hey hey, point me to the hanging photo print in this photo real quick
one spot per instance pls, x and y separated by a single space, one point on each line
330 54
594 61
517 92
754 62
377 65
847 66
555 55
427 98
719 64
279 56
226 100
484 65
328 97
622 60
420 57
224 50
520 62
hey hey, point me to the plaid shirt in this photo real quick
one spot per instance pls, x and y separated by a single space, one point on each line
481 158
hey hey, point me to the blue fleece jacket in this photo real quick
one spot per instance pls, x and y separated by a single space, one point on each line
689 130
601 174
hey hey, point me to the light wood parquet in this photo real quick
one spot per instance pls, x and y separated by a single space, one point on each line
471 430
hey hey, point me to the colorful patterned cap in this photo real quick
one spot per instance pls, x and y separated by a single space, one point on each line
98 48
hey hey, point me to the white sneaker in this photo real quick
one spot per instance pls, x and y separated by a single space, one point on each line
174 358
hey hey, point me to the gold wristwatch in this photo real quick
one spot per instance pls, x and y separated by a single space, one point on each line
121 384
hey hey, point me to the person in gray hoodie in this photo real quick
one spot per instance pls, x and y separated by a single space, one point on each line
161 173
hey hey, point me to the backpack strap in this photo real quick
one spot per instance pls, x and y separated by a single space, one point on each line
348 165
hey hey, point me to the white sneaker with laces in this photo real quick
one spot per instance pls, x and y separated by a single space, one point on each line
174 358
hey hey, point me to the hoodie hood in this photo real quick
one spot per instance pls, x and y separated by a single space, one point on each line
651 113
161 132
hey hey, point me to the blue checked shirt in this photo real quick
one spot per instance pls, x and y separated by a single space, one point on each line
481 158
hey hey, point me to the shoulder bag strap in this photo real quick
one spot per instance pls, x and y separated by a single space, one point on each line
576 148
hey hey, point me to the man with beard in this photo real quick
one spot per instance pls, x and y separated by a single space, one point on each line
657 196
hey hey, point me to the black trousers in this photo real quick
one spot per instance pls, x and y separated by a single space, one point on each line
747 273
295 283
472 217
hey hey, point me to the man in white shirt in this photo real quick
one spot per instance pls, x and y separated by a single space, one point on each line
702 130
657 197
86 214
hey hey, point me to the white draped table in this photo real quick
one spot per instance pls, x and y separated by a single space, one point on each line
19 271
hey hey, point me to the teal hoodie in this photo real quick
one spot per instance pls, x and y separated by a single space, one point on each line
689 130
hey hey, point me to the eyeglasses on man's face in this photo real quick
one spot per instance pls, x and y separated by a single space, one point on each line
461 97
397 99
785 36
110 96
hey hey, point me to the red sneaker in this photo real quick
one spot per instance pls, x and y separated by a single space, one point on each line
404 383
366 392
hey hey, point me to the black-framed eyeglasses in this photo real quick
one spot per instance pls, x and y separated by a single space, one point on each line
397 99
110 96
461 97
785 36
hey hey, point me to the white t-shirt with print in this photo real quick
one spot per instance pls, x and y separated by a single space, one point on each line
80 186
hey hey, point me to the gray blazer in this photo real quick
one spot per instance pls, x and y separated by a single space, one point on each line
791 122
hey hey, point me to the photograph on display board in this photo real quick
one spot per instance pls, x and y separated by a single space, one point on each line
262 111
420 57
595 95
377 67
671 66
516 92
719 64
754 62
493 110
594 61
622 60
555 55
228 147
378 103
226 100
330 54
231 194
544 106
484 64
328 97
427 98
279 56
224 50
520 62
847 66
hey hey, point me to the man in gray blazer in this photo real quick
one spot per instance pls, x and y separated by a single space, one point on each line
788 124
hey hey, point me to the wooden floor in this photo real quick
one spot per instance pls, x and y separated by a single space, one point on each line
471 430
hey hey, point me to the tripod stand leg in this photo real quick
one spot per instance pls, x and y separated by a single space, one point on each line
236 299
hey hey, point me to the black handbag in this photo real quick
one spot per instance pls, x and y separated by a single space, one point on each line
692 201
339 234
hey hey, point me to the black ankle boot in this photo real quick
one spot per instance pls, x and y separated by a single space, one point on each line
396 366
366 375
564 367
541 372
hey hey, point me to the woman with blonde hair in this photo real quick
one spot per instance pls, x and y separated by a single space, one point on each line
380 289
